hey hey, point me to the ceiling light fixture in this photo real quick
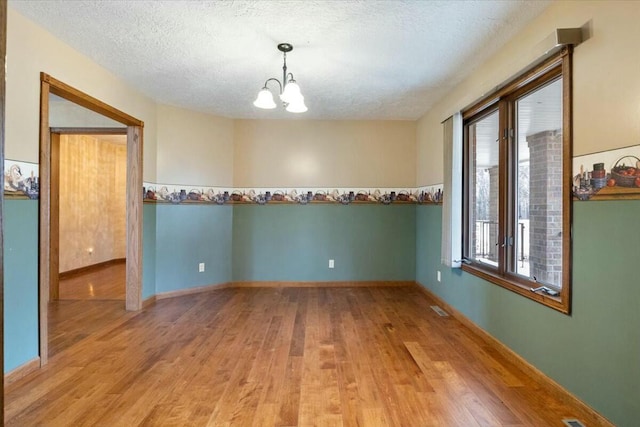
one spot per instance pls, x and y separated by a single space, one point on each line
289 93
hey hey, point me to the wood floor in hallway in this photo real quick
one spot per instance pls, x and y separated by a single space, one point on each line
88 302
105 282
362 356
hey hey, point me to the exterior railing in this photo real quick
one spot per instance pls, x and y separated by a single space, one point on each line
487 240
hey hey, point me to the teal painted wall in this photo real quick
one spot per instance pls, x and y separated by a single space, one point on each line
20 282
595 352
148 251
187 235
295 242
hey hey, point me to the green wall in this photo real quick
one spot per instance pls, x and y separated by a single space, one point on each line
187 235
20 282
595 352
295 242
21 277
148 251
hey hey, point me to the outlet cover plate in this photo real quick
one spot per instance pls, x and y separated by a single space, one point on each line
201 267
331 263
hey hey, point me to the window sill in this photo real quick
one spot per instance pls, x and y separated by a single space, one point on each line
559 303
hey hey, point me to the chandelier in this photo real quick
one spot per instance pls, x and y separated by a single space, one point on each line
289 92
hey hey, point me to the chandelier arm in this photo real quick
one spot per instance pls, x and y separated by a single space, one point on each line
274 80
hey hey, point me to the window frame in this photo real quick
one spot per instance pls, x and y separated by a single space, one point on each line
557 65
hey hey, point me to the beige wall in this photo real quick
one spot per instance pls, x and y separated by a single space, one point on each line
30 50
199 149
92 201
606 85
194 148
187 147
305 153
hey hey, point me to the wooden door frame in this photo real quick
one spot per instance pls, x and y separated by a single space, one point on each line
50 85
54 192
3 53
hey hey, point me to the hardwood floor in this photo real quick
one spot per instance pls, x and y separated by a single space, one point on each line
88 303
286 357
104 283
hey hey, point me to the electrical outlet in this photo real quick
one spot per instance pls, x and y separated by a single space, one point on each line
331 264
201 267
439 276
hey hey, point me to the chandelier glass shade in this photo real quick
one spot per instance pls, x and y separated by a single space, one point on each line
265 99
289 90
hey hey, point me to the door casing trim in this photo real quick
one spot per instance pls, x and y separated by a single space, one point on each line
134 131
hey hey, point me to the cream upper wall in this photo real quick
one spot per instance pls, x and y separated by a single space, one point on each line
187 147
31 50
63 113
191 148
194 148
606 97
317 153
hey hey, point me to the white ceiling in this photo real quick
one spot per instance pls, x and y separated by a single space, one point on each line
536 111
352 59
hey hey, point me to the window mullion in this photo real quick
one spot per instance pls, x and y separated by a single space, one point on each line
503 186
511 195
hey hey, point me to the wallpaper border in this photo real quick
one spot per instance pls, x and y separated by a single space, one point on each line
180 194
607 175
21 181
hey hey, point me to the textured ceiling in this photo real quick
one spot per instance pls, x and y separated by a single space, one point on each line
352 59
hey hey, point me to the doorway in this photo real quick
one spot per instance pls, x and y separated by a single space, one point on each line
88 201
48 255
88 233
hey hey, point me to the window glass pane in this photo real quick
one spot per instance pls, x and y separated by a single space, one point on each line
483 204
537 252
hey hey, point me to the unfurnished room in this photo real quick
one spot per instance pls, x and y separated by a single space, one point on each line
320 213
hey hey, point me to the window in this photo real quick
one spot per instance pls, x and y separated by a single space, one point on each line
517 184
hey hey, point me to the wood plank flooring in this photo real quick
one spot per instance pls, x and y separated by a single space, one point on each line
88 303
102 283
375 356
